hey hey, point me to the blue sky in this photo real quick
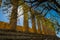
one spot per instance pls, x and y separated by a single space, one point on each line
4 18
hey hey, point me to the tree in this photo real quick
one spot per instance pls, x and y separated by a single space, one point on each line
0 2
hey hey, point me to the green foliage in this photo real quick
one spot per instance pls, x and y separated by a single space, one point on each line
0 2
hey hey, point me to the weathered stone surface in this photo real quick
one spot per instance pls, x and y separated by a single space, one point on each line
14 35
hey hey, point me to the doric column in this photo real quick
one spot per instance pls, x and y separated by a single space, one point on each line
38 23
13 19
25 28
50 26
44 27
33 21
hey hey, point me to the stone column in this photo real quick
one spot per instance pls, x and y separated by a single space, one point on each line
13 19
33 21
44 27
39 25
26 9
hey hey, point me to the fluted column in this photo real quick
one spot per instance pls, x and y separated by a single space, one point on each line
26 28
50 27
33 21
44 27
47 27
13 19
39 25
